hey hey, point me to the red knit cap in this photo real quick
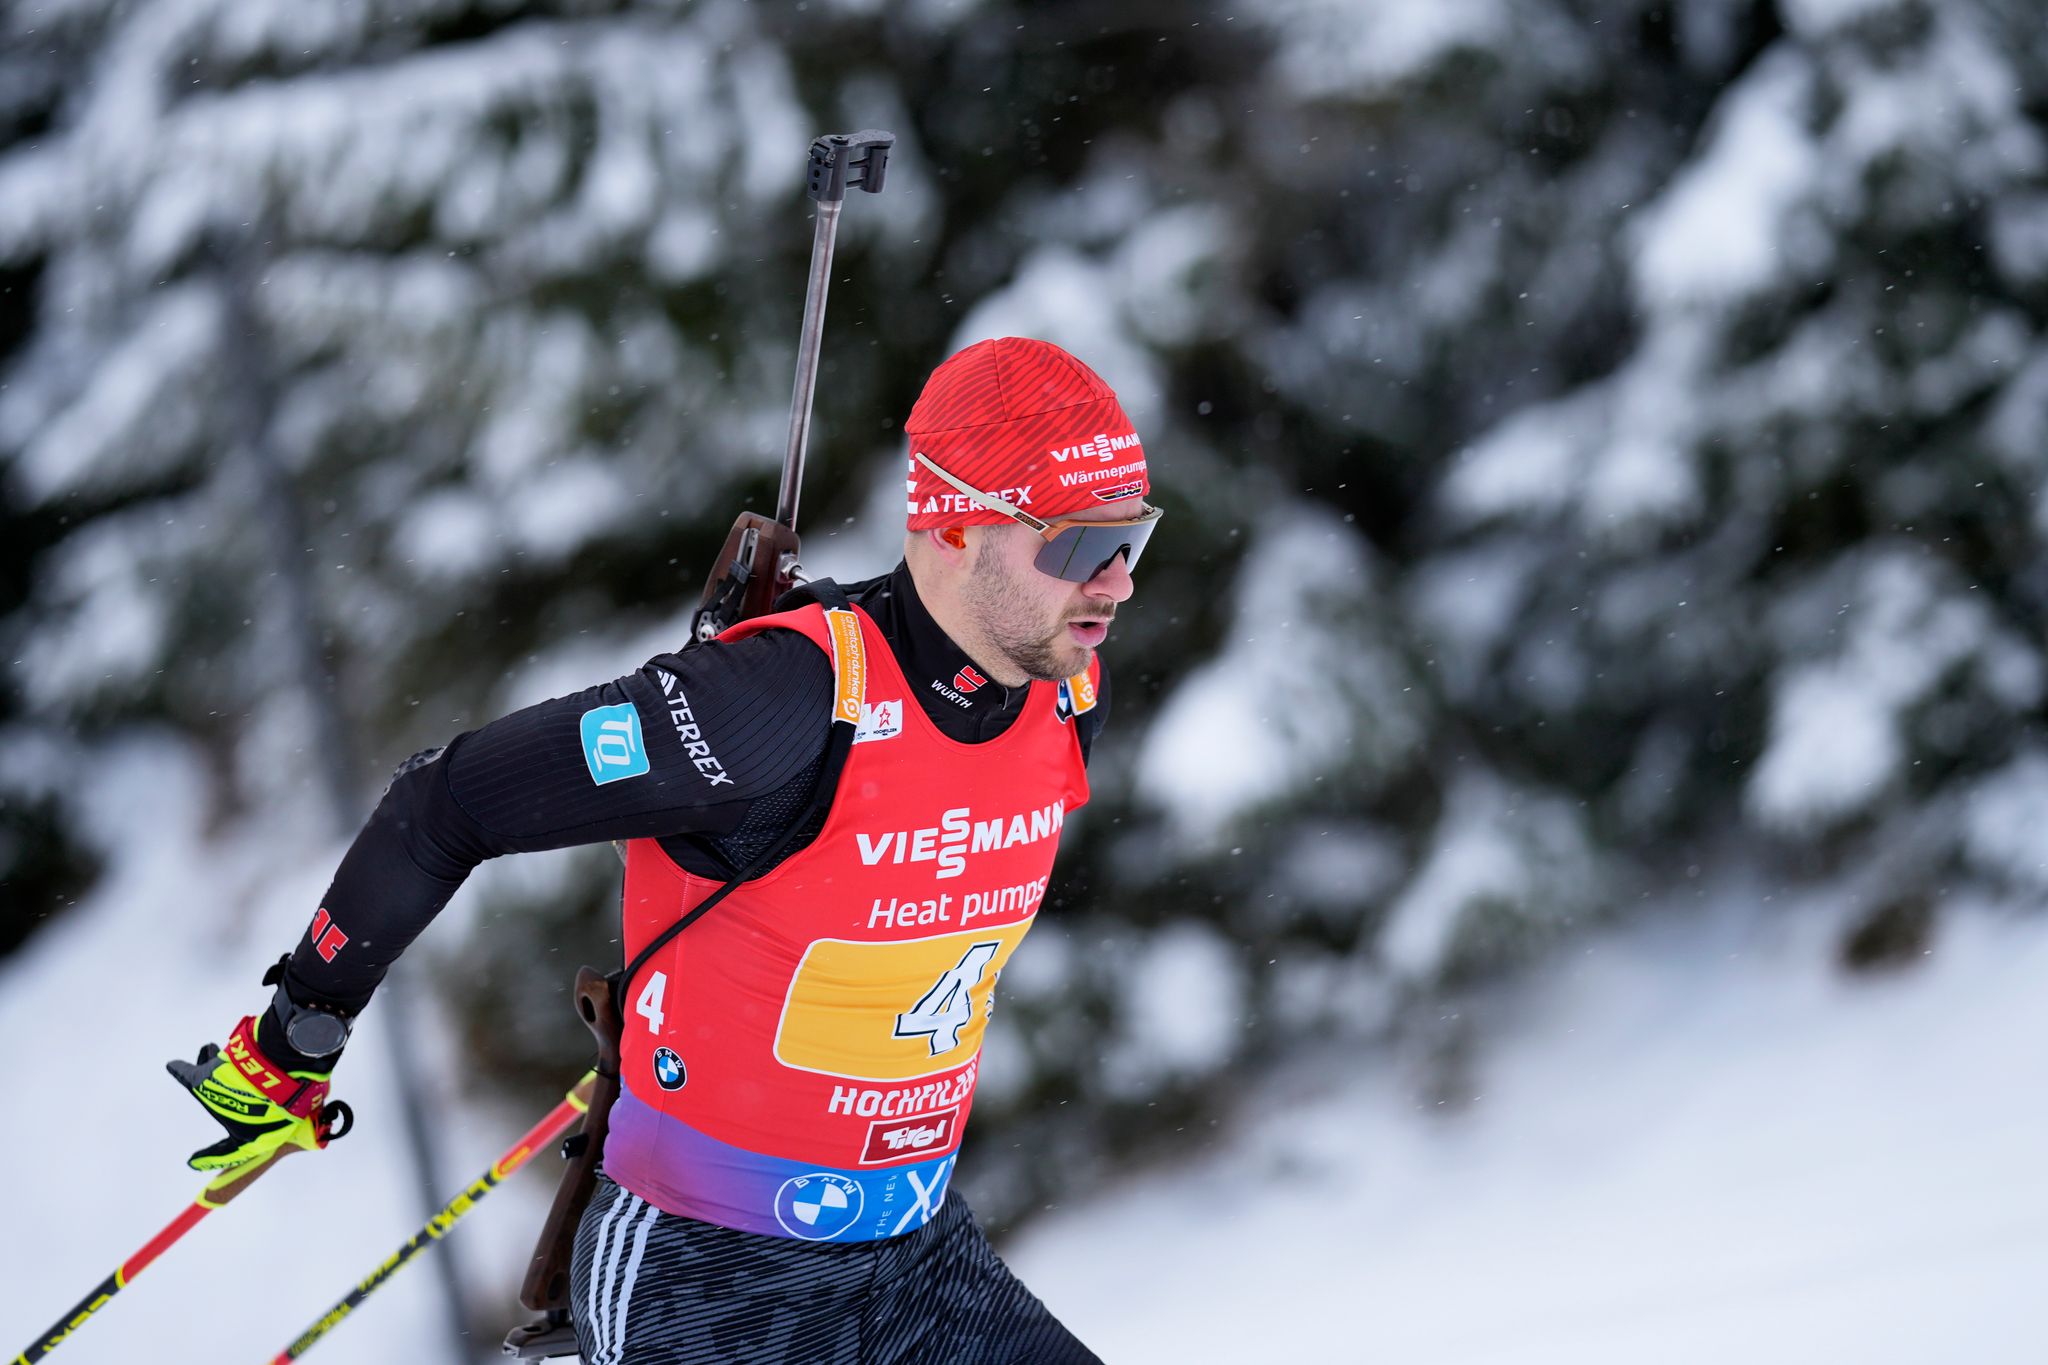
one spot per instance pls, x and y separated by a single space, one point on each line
1027 422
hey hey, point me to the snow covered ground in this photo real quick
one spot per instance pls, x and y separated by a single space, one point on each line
1691 1141
1701 1143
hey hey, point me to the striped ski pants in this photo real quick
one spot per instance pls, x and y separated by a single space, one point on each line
650 1288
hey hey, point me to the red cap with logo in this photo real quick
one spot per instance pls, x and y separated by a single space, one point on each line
1027 422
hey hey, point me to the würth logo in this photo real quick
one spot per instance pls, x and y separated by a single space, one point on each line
968 680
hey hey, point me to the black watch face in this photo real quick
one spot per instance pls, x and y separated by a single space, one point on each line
313 1033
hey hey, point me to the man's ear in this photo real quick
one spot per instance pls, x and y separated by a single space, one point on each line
949 543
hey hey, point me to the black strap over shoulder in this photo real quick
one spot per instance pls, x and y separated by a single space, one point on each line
837 746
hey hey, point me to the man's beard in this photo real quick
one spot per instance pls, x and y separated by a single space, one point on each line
1008 615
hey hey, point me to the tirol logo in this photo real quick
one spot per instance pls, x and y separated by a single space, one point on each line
819 1206
879 720
916 1136
669 1072
958 834
969 680
1101 448
611 743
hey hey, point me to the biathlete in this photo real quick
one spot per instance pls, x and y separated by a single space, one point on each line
799 1064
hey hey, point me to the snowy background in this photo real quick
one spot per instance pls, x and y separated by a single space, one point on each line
1566 868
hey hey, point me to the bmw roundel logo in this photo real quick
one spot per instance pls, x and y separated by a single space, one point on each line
668 1069
819 1206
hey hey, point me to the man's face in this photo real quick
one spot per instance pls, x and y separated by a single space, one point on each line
1046 627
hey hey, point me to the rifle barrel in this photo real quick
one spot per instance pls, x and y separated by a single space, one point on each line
822 236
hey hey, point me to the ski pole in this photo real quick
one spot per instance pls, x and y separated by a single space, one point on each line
556 1121
222 1188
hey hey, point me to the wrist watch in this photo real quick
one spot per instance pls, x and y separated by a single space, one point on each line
312 1030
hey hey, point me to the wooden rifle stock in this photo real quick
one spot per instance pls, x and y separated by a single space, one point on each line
757 565
547 1275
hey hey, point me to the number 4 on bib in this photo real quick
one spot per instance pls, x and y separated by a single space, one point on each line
948 1006
648 1006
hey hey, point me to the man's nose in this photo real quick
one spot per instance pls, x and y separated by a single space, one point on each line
1112 580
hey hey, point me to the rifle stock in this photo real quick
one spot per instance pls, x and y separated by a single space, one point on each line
757 565
547 1274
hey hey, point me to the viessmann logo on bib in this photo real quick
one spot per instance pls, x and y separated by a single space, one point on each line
958 834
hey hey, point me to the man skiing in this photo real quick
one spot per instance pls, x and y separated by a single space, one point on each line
797 1066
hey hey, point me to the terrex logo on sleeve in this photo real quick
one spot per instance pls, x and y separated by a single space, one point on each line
690 734
611 743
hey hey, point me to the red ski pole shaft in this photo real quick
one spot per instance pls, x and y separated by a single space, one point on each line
552 1126
217 1192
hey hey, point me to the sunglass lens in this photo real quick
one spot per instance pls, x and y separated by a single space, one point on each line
1078 553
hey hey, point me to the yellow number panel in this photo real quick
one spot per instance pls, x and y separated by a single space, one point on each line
892 1011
